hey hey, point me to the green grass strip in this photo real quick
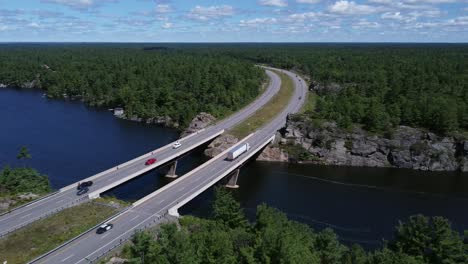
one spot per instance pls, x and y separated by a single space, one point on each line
46 234
269 111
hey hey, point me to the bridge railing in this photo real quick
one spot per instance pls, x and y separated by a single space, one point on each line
205 186
73 185
112 217
159 219
56 210
169 185
96 193
29 203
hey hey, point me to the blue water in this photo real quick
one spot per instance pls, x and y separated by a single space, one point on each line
69 141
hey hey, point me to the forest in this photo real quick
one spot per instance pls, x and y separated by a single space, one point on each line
145 82
22 179
378 86
227 237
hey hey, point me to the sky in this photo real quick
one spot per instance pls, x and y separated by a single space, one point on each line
233 21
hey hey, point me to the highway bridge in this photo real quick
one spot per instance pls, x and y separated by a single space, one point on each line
163 204
67 196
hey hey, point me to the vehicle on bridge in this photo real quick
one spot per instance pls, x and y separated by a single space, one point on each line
104 228
82 191
150 161
237 151
85 184
176 145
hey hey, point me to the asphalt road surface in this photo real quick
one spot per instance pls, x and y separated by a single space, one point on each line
91 246
67 198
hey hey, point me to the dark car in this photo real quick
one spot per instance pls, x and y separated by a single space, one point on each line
82 191
150 161
85 184
103 228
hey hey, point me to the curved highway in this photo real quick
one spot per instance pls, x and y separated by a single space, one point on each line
115 176
152 209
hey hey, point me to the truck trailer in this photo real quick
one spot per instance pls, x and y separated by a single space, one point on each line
237 151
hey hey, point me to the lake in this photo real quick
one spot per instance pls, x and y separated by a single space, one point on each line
69 141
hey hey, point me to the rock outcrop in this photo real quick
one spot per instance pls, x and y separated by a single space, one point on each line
199 122
406 147
220 144
273 153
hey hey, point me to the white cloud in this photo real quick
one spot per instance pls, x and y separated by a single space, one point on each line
3 28
344 7
212 12
278 3
163 9
308 1
364 24
167 25
79 4
301 17
34 25
257 21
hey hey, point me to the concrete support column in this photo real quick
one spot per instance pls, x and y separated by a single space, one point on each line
232 183
172 170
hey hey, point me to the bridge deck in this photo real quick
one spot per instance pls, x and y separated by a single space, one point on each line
154 208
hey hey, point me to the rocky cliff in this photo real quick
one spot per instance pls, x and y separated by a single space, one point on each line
405 147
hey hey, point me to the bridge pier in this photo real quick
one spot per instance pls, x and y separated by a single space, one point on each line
232 183
172 170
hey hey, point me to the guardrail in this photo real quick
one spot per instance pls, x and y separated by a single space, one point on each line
159 219
68 205
73 185
80 235
173 210
167 186
29 203
96 193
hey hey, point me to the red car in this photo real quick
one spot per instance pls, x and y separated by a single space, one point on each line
150 161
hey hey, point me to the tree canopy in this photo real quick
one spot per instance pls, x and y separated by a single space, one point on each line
273 238
147 83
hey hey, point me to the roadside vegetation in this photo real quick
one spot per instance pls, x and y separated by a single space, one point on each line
269 111
378 86
146 82
227 237
22 184
44 235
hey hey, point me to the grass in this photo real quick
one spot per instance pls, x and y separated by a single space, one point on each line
268 111
44 235
310 103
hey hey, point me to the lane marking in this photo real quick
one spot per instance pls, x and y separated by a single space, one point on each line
160 201
24 216
134 218
67 257
103 236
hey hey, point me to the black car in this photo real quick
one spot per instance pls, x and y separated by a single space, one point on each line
85 184
82 190
103 228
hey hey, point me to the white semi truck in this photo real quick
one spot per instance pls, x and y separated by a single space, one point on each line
237 151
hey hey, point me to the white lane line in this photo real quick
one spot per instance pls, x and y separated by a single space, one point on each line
112 241
134 218
24 216
60 201
182 188
67 257
160 201
103 236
